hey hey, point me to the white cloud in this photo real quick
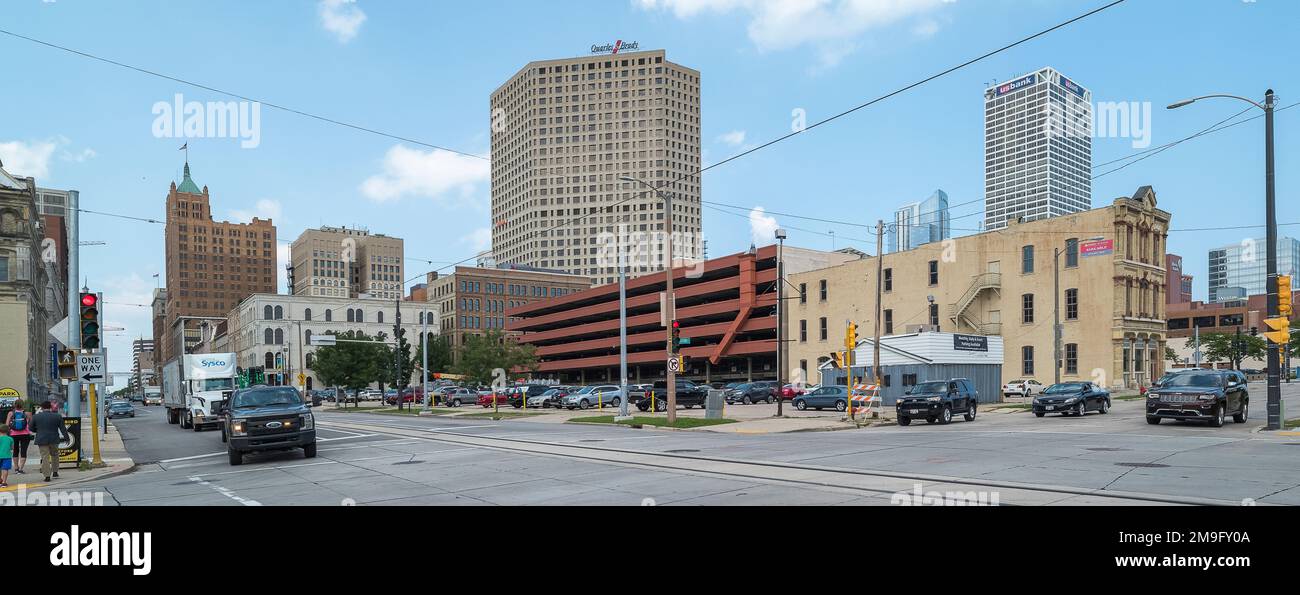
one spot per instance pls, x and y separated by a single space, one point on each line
480 239
926 28
431 174
341 17
265 209
734 138
827 25
762 227
27 159
79 157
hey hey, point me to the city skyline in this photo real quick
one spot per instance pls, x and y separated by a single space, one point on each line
751 93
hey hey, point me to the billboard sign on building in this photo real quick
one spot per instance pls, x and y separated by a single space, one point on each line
970 343
1015 85
1097 248
1072 86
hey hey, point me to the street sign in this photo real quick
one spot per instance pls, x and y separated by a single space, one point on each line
674 365
324 340
60 331
302 378
91 368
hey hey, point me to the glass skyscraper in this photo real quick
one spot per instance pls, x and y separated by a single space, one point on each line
920 223
1239 271
1037 148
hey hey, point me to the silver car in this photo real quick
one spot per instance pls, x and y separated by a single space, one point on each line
599 395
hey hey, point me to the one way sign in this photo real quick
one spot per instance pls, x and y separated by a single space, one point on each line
91 368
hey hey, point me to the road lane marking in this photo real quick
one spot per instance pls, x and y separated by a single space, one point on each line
227 492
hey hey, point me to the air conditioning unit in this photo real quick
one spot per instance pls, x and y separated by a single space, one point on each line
922 328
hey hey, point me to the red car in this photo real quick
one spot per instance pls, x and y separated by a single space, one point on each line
791 391
485 401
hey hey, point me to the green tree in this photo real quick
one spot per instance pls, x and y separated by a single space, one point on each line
1170 354
1223 346
482 354
439 355
349 364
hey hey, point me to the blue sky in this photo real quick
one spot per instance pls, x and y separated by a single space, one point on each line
424 70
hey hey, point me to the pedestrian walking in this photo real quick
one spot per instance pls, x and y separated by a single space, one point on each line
6 455
20 429
49 429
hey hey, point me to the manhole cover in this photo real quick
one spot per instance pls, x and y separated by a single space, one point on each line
1104 449
681 451
1143 465
408 462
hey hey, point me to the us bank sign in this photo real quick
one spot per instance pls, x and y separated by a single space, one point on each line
616 47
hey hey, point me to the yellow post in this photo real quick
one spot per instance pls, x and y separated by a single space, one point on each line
600 401
652 402
94 428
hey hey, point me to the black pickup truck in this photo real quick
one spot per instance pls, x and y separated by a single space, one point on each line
264 418
689 395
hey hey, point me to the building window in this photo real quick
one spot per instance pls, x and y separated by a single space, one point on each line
822 332
803 367
823 290
268 337
934 272
306 337
1027 260
1072 304
1071 358
279 336
909 379
889 322
352 316
803 331
803 293
268 313
889 279
329 315
279 313
884 381
1027 360
306 314
1071 252
361 317
934 314
1027 308
379 317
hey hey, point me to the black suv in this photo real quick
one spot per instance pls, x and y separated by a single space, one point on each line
689 395
1199 395
265 418
753 392
937 401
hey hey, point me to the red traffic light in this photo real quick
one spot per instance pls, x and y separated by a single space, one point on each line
677 324
89 299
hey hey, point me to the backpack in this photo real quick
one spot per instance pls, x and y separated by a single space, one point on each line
20 421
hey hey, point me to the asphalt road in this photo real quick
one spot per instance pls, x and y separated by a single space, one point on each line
375 460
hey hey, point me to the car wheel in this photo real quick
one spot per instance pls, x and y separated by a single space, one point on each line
1219 414
516 406
801 405
1155 421
970 412
1080 409
946 416
615 402
661 406
1105 407
747 400
583 404
643 408
904 421
1039 414
236 457
455 403
841 405
309 450
1244 415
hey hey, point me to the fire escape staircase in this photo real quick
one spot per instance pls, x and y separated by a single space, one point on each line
960 311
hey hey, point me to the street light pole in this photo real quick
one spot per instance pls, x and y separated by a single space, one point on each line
1275 414
1056 314
670 375
780 323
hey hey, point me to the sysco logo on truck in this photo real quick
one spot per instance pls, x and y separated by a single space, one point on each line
213 363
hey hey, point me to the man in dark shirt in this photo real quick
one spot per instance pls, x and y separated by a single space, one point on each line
49 429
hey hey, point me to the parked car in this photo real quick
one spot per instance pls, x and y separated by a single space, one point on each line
937 401
689 395
790 391
762 390
836 397
491 399
1200 395
1072 398
596 395
550 398
457 396
1022 388
120 409
521 393
371 394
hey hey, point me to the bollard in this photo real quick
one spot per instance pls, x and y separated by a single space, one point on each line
600 401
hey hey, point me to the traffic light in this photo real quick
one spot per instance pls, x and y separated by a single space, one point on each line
837 359
1254 331
851 337
677 336
1280 328
1284 295
89 321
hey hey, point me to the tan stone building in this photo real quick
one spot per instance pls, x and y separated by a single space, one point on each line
347 262
211 265
564 132
474 300
1001 283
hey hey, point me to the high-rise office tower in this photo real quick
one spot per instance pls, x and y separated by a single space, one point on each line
920 223
1037 148
1238 271
564 132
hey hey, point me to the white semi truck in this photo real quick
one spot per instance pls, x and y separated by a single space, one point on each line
196 387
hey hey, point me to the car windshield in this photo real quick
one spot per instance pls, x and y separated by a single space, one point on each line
586 390
551 393
262 397
743 386
209 384
1064 387
929 387
1193 380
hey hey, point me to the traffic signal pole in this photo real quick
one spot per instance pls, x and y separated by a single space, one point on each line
1275 415
73 394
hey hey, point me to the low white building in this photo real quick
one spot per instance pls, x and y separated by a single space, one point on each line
273 331
906 360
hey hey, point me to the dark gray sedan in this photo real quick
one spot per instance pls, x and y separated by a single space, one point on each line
120 409
1072 398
